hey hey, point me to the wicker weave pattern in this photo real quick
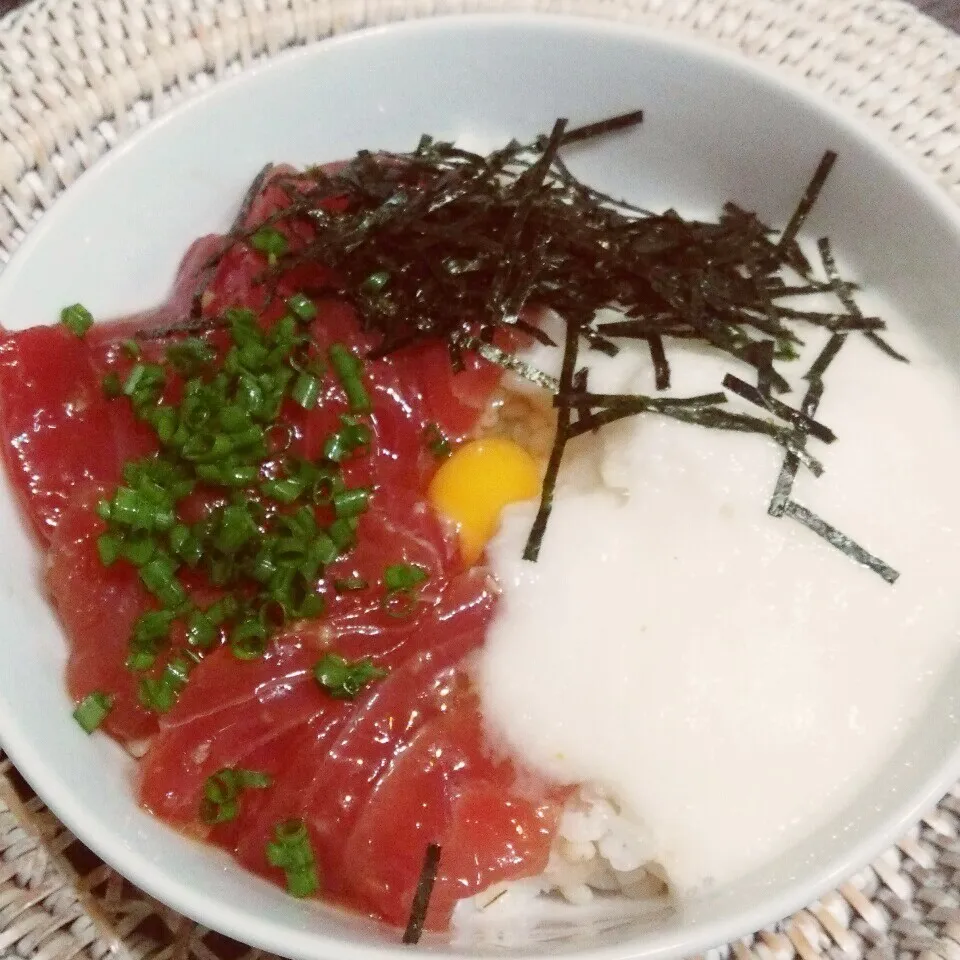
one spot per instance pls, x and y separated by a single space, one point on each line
77 76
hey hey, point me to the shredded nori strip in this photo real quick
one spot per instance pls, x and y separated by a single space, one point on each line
839 540
658 357
779 409
421 897
791 462
611 125
842 290
567 374
781 503
807 201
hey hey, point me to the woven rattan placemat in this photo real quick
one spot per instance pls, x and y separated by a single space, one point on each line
77 76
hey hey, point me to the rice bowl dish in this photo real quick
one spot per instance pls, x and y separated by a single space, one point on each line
766 624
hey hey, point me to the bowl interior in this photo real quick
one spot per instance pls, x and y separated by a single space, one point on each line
716 129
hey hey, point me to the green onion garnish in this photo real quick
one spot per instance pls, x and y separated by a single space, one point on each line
190 356
159 576
77 319
306 390
109 547
92 710
302 306
291 852
248 639
351 437
159 694
404 576
344 679
349 369
353 502
221 793
271 242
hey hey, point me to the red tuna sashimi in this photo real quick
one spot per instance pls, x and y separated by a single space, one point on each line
231 708
331 779
445 788
59 433
98 606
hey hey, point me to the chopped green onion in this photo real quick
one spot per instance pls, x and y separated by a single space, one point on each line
190 356
159 576
92 710
109 548
140 660
143 380
237 528
349 368
77 319
271 242
248 639
352 502
302 306
138 550
201 629
221 793
326 484
185 544
151 629
352 436
291 852
159 694
131 348
285 490
343 679
343 532
142 509
306 390
404 576
229 474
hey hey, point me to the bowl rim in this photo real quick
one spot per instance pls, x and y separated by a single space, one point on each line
245 925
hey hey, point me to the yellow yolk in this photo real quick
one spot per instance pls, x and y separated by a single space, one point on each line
477 482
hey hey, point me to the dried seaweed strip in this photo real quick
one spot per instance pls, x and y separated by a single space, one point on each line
839 540
567 372
809 405
797 418
589 131
508 361
658 357
632 402
807 201
704 415
421 896
832 321
842 290
827 355
246 204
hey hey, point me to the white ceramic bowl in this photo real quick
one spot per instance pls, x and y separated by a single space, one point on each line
717 129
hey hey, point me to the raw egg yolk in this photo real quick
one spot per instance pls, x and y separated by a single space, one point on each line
476 482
